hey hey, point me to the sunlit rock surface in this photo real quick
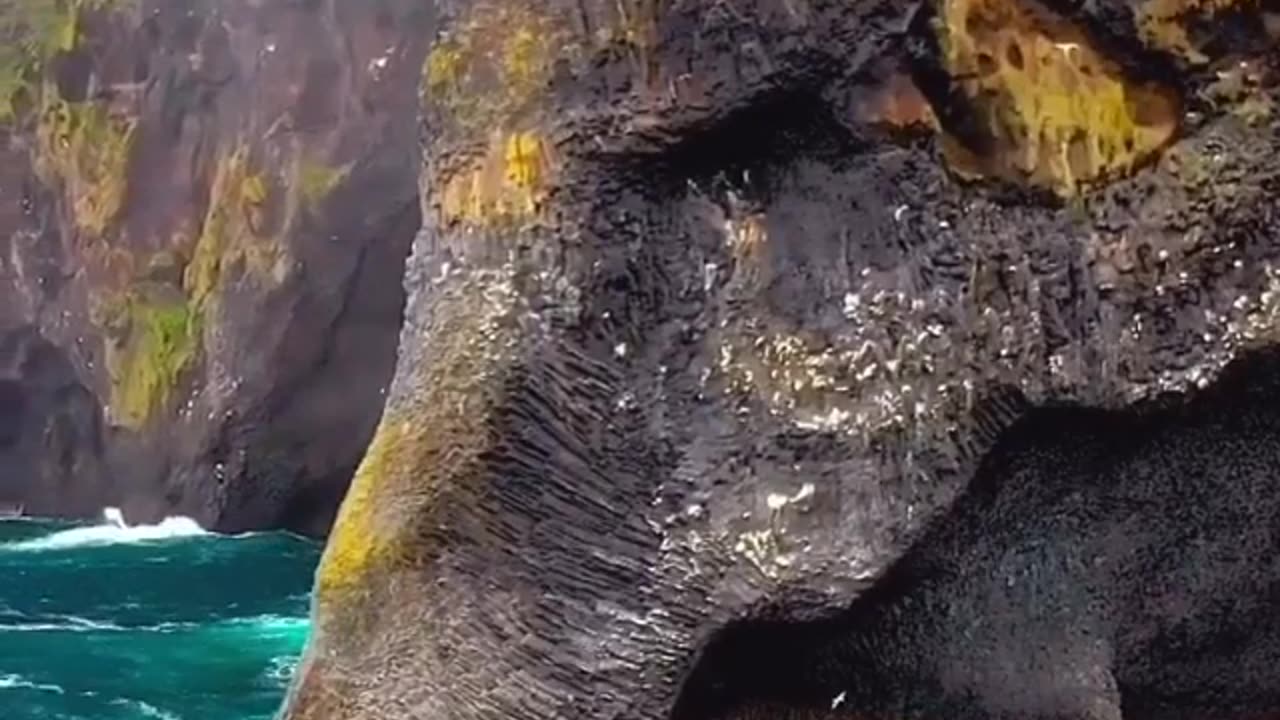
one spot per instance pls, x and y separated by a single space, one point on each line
205 206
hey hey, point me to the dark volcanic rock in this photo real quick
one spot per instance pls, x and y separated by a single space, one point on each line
693 337
1100 564
51 431
205 207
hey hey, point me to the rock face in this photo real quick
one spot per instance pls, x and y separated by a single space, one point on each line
1100 564
205 207
716 304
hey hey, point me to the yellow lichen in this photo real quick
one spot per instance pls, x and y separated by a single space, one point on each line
525 162
427 456
253 190
633 29
86 149
159 341
228 234
1163 23
201 275
1240 89
316 180
31 33
493 64
358 539
506 185
524 55
443 69
156 328
1050 109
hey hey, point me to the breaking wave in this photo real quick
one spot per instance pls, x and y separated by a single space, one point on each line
21 683
61 624
135 623
147 710
113 531
261 625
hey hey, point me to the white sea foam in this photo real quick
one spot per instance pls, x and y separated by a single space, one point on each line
114 517
271 622
113 531
8 682
67 623
148 710
260 625
281 669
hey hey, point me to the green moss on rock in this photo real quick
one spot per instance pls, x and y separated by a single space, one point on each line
316 180
161 342
34 31
155 327
82 147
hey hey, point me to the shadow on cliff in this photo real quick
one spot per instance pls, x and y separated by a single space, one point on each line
50 429
1101 564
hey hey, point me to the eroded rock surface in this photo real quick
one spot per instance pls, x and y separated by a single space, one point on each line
205 207
708 315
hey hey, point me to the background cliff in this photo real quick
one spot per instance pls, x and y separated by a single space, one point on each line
718 302
205 207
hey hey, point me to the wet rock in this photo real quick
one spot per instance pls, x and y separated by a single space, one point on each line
206 207
699 329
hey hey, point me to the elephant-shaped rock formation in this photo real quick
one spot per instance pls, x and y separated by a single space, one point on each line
718 303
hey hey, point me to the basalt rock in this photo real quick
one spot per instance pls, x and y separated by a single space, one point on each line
205 207
1100 564
717 304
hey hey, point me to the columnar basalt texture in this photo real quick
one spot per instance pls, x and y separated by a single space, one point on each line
709 315
205 208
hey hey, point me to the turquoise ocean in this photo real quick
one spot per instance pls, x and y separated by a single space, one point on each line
166 621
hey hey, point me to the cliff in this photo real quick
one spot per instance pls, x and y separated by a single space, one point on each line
716 304
205 209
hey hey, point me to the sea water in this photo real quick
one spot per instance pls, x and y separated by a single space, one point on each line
165 621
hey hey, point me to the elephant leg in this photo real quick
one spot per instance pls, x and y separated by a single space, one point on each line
1090 695
1058 682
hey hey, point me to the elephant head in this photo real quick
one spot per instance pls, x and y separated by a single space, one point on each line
708 317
